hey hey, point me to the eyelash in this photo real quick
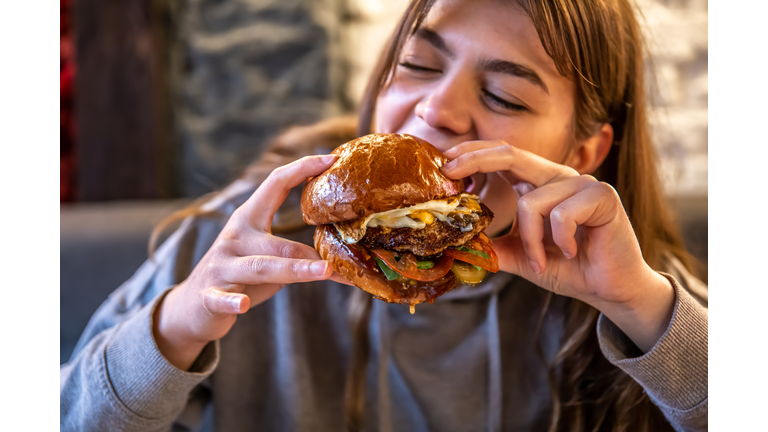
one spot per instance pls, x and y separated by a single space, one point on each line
492 97
416 68
504 103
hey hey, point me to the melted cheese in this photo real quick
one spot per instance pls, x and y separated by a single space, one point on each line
424 216
415 217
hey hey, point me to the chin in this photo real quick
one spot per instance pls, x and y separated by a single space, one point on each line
501 198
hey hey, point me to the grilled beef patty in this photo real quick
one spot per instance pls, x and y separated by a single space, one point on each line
433 238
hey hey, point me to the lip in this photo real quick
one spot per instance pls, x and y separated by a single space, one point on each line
475 182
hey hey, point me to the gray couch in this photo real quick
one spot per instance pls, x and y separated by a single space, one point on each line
102 244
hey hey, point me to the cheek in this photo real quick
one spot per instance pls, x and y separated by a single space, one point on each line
394 107
546 138
388 112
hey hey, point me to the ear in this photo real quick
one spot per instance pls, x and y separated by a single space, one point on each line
590 153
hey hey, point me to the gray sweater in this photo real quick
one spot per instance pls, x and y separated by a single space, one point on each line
465 363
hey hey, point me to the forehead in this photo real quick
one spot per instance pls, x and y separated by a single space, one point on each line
495 29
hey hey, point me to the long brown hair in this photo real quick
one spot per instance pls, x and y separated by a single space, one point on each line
598 44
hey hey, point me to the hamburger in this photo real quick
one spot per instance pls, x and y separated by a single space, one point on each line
392 224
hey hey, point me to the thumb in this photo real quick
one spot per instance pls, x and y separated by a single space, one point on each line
218 302
512 258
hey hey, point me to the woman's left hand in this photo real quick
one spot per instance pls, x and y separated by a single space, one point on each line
571 237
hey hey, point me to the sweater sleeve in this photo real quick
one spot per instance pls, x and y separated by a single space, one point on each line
117 379
121 381
674 372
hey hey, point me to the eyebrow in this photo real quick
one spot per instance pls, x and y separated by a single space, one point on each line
488 65
435 40
514 69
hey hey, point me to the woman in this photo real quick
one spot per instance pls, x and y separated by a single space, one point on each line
527 99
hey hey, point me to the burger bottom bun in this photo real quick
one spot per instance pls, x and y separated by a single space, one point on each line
356 264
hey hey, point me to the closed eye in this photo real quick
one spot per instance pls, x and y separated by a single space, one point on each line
505 104
417 68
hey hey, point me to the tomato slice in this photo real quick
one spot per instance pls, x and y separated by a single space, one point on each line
408 264
478 251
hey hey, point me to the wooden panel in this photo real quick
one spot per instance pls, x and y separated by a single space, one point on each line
121 151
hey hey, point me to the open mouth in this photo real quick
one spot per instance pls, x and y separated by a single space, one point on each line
474 183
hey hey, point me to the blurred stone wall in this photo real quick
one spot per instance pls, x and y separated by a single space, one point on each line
247 69
242 71
676 33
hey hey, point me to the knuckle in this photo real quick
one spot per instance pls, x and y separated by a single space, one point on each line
559 215
225 242
502 147
470 158
288 250
607 189
526 204
215 272
298 267
257 264
570 172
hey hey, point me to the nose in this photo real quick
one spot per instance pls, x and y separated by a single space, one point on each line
446 108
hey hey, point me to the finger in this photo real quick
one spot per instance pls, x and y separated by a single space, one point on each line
595 206
263 204
531 228
259 269
522 189
267 244
276 246
470 146
513 164
217 302
534 206
512 257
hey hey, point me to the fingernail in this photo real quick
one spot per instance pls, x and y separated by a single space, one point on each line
236 301
329 158
567 255
535 267
318 268
449 166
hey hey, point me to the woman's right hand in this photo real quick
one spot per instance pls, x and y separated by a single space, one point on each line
245 266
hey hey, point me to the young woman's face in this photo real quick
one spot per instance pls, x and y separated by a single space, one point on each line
476 70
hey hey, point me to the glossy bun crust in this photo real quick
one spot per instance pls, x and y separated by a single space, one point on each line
355 264
376 173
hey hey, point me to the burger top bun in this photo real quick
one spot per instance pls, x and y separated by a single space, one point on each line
376 173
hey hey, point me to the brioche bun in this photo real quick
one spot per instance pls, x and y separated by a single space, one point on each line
377 173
